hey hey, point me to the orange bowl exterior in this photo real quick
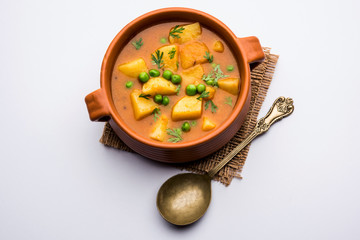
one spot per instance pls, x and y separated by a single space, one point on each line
101 107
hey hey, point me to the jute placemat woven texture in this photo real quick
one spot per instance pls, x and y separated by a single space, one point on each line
261 77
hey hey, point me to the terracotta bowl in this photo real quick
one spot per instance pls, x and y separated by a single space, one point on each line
101 107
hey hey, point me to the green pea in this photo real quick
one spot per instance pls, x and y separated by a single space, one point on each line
144 77
185 127
213 65
200 88
165 100
158 98
167 74
191 89
230 68
129 84
210 82
176 79
154 73
163 40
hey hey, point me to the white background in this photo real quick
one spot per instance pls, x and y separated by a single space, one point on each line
301 179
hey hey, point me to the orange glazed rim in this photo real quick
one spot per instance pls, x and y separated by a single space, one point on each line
237 50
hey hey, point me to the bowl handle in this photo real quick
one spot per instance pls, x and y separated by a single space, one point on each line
97 106
253 50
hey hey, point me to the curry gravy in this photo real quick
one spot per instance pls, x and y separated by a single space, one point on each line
151 41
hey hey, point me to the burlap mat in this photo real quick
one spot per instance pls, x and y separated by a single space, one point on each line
261 76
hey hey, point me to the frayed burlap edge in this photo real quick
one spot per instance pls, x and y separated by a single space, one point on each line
261 77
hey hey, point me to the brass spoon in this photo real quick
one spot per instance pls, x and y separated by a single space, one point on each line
184 198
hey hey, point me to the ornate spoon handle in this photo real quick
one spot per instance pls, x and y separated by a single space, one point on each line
282 107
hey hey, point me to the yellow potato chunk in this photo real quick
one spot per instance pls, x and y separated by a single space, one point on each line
159 131
187 108
207 124
218 46
189 33
211 91
159 85
133 68
192 74
193 53
231 85
142 107
170 51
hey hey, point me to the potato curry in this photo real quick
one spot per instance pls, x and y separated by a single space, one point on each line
175 82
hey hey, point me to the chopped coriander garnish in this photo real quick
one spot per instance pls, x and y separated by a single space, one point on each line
209 57
228 101
178 89
137 44
176 30
213 106
176 133
213 77
203 95
145 96
156 113
218 73
172 53
209 79
158 59
177 64
193 123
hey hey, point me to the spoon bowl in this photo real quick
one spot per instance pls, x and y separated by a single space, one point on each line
184 198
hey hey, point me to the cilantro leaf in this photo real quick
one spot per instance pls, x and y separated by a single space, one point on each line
213 106
203 95
178 89
172 53
137 44
228 101
209 57
176 30
213 77
145 96
176 133
157 60
156 113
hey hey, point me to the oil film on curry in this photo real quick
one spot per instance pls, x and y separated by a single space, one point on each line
175 82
